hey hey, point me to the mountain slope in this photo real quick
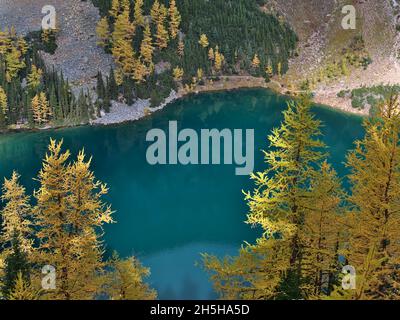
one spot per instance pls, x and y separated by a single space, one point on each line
323 41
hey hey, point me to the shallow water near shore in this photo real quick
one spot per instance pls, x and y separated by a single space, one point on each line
168 215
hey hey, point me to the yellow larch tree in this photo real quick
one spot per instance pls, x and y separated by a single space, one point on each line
69 210
138 13
375 199
122 36
178 74
322 235
140 71
218 60
5 41
174 19
146 47
124 56
40 108
162 35
14 63
21 45
123 28
200 74
34 77
16 215
272 268
181 48
211 55
255 63
103 32
203 41
155 12
279 69
125 281
115 8
45 108
35 106
3 101
268 70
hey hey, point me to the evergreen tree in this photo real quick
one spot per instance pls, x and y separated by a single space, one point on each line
112 85
100 87
3 124
16 266
23 290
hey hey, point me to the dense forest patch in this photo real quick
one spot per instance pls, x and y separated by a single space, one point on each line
249 42
31 94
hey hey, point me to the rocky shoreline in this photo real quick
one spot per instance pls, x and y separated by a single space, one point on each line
122 113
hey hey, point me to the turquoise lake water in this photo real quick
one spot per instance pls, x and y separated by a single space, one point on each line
167 215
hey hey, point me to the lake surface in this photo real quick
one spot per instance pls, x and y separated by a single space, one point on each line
168 215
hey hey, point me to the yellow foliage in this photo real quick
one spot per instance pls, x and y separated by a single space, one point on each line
181 48
126 280
146 47
3 101
218 60
34 77
178 74
138 13
23 290
40 108
375 199
16 213
103 32
69 195
255 62
211 55
204 41
175 19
